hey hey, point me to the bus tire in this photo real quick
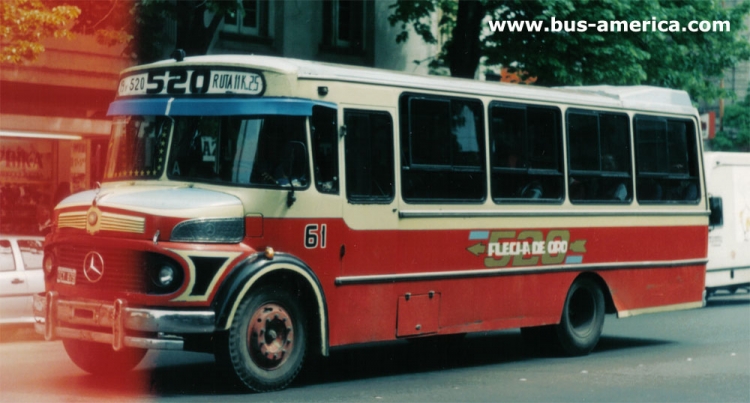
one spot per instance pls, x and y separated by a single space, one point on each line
582 318
266 343
100 359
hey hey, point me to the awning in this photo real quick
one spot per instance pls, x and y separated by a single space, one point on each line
215 106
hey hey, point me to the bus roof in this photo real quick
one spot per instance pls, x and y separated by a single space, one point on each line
639 98
717 158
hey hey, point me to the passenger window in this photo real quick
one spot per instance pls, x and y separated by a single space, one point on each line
526 153
369 156
599 152
31 253
666 160
442 146
6 257
323 127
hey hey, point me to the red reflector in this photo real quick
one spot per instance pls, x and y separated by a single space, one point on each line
254 225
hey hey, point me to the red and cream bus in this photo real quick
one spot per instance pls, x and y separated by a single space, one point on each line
266 209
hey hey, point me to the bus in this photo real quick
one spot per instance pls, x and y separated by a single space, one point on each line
728 179
267 209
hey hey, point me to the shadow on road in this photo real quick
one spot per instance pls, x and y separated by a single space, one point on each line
434 354
612 343
723 299
344 364
418 355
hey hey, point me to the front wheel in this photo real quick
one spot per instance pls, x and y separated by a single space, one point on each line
582 319
100 359
266 343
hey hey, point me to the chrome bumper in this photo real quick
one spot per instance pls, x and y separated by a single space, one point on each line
51 312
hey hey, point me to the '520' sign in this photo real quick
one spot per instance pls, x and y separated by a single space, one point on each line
197 81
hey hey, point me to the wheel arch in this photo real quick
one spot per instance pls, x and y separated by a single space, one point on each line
609 305
286 271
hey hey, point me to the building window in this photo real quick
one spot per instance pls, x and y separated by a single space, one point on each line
342 24
250 20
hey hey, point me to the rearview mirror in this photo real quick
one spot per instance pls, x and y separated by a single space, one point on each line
716 218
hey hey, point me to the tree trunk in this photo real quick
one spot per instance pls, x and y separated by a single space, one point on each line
464 51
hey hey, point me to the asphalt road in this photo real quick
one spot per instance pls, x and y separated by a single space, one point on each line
700 355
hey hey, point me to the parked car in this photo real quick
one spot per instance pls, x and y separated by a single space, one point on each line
21 276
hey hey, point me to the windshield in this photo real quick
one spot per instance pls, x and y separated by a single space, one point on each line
256 150
242 150
137 147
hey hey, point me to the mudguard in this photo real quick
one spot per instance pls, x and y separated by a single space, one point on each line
254 268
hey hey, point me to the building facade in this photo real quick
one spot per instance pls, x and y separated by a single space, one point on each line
337 31
53 126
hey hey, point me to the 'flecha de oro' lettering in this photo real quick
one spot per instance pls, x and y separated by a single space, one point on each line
526 248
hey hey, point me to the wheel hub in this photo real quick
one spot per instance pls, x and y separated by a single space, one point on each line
270 336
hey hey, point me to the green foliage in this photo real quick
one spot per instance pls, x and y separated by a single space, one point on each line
25 23
736 133
669 59
139 24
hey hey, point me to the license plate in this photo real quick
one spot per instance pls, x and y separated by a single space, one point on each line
66 276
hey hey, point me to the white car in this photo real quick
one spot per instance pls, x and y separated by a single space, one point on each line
21 276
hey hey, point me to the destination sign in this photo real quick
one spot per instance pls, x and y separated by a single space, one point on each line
199 81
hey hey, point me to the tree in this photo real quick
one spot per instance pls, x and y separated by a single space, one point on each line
736 133
25 23
574 56
140 24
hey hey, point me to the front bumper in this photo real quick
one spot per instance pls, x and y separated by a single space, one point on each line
117 324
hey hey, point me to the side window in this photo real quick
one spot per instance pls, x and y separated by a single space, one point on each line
599 152
442 147
6 257
32 253
666 160
369 156
526 153
323 127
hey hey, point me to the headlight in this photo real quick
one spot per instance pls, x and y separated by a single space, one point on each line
165 274
210 230
49 263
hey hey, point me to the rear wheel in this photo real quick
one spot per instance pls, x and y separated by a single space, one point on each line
582 319
100 359
266 343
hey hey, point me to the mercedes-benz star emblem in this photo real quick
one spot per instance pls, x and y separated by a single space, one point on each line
93 267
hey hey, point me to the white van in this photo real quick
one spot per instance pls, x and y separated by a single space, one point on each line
728 178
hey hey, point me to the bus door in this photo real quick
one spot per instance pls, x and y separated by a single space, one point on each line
370 209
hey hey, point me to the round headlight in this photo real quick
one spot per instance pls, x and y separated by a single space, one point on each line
166 276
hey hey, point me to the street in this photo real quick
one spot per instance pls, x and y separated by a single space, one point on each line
700 355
